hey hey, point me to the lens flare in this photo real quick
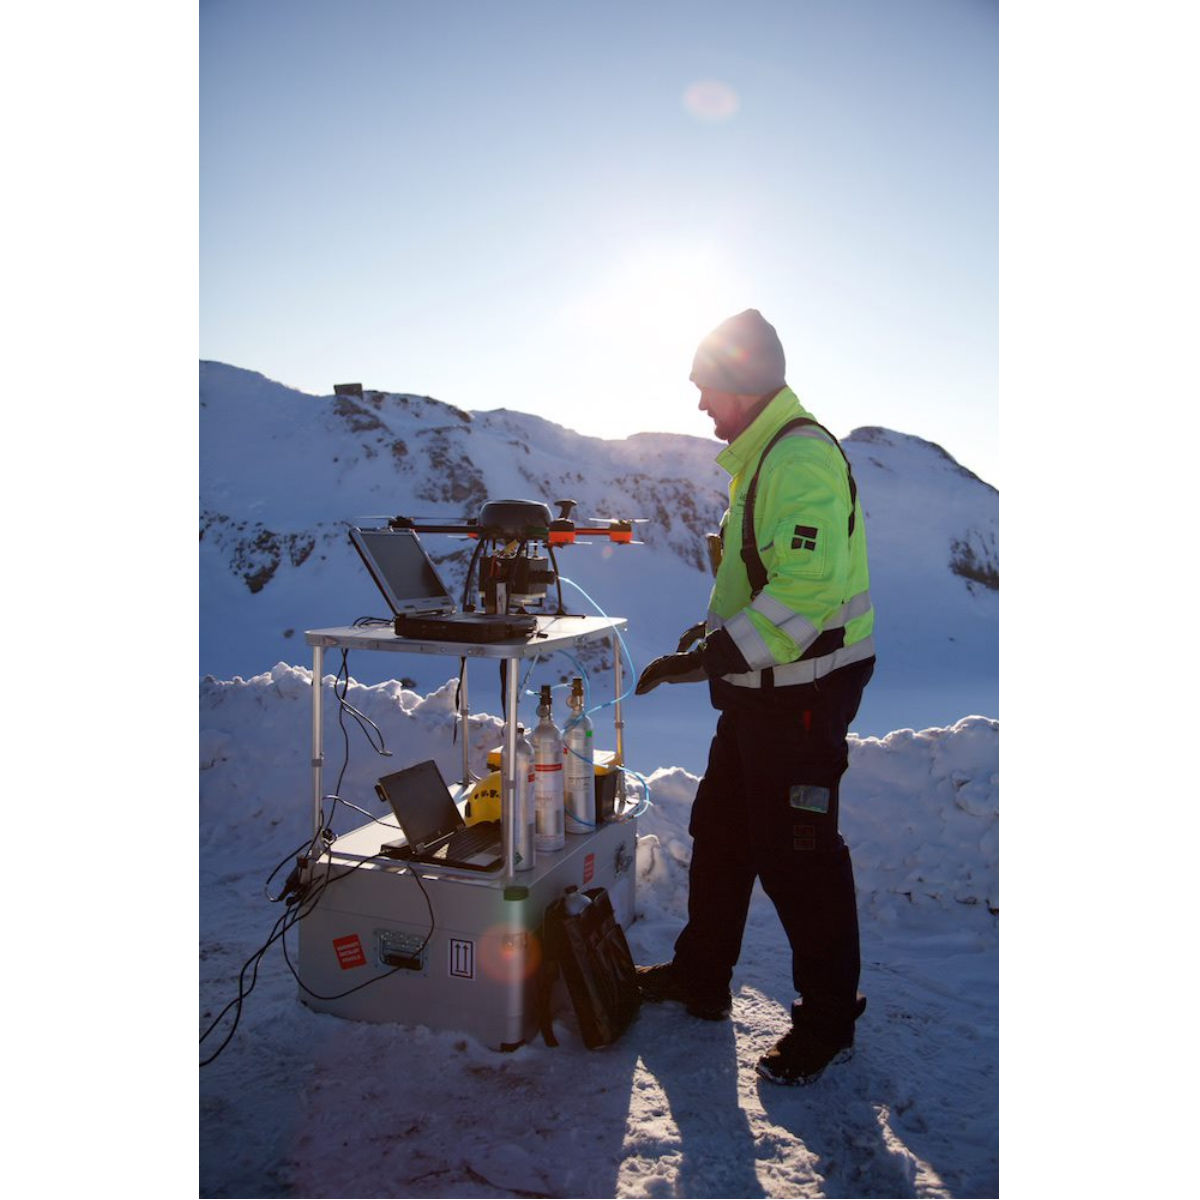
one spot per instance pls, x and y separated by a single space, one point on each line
711 100
506 954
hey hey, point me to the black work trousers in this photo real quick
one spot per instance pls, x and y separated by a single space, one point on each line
767 808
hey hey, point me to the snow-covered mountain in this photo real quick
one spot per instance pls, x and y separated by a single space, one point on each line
283 474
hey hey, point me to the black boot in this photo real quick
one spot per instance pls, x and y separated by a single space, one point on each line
802 1054
666 982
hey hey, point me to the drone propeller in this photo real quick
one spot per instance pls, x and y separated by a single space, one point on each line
564 531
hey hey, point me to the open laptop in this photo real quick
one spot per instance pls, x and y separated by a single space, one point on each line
420 602
434 830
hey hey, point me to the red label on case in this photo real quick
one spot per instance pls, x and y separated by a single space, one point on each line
589 867
349 952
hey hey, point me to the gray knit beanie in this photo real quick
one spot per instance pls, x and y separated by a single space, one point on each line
741 355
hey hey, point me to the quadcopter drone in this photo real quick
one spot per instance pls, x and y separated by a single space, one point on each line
508 564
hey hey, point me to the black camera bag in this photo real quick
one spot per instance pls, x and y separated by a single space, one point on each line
589 951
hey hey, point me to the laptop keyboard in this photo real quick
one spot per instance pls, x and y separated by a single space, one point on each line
472 840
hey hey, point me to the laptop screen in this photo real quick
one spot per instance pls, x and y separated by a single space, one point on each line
421 801
402 571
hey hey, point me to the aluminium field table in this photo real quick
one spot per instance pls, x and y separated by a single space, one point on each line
452 949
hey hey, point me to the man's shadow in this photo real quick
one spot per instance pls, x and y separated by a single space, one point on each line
852 1120
695 1063
838 1125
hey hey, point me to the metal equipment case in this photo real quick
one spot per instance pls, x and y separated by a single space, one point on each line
386 940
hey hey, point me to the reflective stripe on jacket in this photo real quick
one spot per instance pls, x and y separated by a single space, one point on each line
814 615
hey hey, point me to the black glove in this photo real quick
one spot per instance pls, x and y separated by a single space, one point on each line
692 636
722 657
717 655
672 668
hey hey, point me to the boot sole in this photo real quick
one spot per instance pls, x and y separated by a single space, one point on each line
704 1014
842 1056
708 1014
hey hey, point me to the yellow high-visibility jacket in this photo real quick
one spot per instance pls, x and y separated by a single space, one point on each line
814 615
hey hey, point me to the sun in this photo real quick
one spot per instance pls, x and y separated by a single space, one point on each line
655 299
660 288
632 329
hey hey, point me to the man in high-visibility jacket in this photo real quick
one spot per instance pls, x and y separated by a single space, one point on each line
786 649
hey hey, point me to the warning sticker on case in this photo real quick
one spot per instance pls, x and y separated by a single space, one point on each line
349 952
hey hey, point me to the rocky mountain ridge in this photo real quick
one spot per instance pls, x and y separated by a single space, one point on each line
283 474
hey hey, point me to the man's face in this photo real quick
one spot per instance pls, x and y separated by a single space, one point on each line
727 410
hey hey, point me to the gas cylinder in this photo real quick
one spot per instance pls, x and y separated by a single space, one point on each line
579 765
547 778
523 808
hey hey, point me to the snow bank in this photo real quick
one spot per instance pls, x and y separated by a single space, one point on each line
675 1108
919 810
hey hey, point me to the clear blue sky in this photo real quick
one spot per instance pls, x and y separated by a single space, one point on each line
544 205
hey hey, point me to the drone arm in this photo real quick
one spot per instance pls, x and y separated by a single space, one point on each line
469 528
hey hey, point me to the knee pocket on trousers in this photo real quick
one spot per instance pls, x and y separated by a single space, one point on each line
707 815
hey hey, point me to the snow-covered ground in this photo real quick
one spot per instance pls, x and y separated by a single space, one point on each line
306 1104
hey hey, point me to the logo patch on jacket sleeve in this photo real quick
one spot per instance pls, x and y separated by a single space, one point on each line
804 537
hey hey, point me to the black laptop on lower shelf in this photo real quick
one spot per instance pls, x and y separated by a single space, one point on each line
434 830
